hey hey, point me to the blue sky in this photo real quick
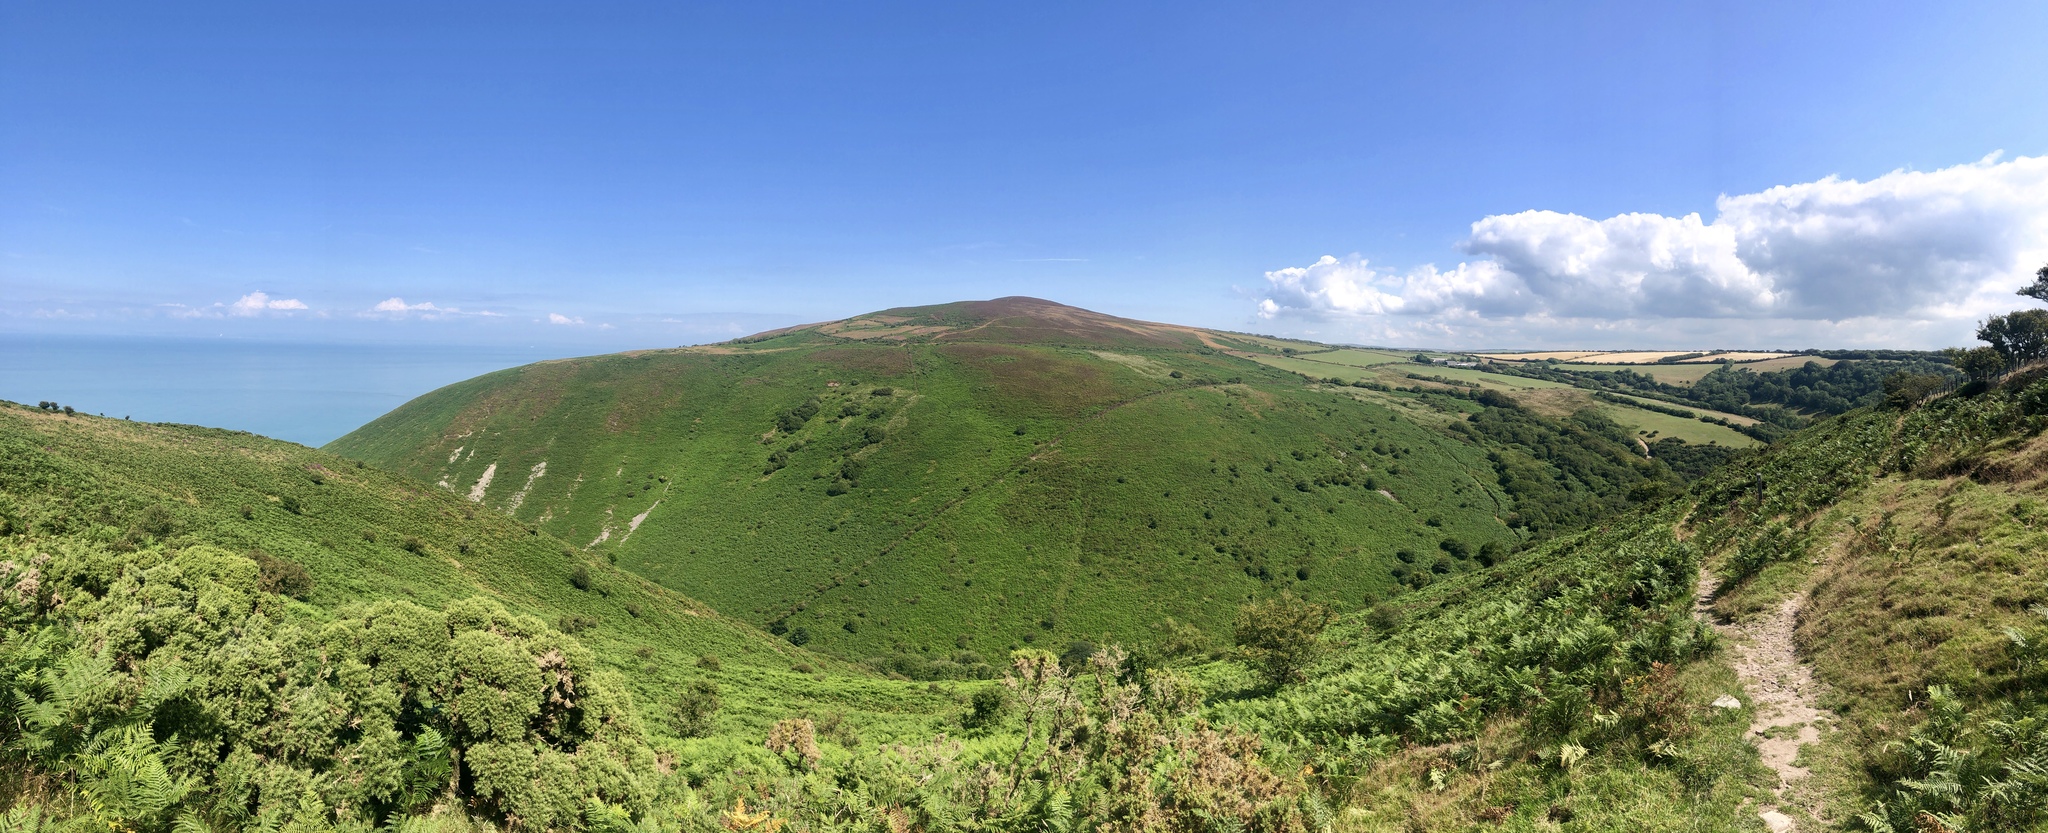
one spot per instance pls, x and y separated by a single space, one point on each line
606 176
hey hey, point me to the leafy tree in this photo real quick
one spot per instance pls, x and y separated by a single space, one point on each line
1281 636
1903 390
795 418
2038 290
1491 553
2020 336
1980 364
1077 654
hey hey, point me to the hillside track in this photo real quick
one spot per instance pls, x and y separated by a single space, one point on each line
1782 693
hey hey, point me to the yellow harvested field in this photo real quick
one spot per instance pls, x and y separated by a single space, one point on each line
1590 356
1739 356
1637 357
1560 355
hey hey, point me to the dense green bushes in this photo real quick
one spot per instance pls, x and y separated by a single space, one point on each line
1561 473
1574 629
171 690
1280 636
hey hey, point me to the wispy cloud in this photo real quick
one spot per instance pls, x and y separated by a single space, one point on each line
558 318
252 305
396 307
257 303
1918 254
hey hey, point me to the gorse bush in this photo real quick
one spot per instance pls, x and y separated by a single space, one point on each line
170 688
282 577
696 708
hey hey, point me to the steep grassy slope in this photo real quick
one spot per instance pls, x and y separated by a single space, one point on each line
160 683
1911 544
1565 687
983 475
366 536
1571 685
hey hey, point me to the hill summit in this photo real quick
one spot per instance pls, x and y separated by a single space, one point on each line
924 487
1015 319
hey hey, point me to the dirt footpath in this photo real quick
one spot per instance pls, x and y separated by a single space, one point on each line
1780 689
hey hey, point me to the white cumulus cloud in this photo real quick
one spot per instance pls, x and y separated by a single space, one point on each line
1911 254
558 318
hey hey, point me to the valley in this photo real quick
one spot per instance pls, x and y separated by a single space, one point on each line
1005 565
993 475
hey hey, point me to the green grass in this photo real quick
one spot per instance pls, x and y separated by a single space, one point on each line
1658 426
1027 492
1394 371
1686 373
1916 540
1004 494
95 483
111 482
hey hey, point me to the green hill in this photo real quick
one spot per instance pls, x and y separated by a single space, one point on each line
349 535
166 667
997 474
1894 554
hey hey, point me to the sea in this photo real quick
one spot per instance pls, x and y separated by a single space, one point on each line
302 392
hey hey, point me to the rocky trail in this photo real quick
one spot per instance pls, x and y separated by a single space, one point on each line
1782 691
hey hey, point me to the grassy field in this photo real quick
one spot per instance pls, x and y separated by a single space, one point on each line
1686 373
1553 398
1593 357
1396 372
1652 425
1656 426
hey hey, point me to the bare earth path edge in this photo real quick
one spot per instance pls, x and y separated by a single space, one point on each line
1780 688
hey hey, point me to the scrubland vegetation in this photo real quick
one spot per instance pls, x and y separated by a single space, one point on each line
1357 606
165 677
925 490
